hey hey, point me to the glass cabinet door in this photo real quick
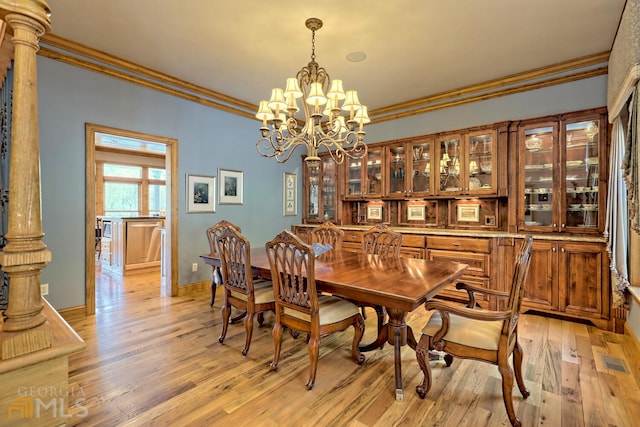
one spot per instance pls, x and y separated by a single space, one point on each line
354 178
537 172
481 163
374 173
581 178
313 193
329 198
449 164
396 170
420 152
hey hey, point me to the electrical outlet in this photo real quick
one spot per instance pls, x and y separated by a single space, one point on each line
194 267
44 289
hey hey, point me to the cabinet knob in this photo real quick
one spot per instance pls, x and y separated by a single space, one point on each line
563 225
562 250
553 249
555 225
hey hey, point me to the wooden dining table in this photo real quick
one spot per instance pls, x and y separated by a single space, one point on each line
399 284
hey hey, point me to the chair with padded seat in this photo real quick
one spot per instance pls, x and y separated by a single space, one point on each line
328 234
468 332
380 240
212 236
299 307
240 291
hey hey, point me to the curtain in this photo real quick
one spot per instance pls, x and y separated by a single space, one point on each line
630 163
616 227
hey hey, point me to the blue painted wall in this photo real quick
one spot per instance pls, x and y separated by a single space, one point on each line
208 139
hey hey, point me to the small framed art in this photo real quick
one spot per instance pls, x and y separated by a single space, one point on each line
469 213
290 194
415 213
231 187
201 192
374 212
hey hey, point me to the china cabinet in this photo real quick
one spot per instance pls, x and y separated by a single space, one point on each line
467 163
320 195
560 175
408 166
364 177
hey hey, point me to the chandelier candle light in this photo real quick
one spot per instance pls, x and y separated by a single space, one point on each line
325 129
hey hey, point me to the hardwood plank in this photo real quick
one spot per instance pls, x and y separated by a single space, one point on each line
155 360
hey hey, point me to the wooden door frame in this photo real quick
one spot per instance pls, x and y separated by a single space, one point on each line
171 166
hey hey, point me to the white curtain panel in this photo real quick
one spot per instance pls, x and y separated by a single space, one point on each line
617 221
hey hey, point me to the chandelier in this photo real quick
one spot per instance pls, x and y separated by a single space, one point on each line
324 128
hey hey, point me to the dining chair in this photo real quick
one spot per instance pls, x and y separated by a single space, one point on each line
239 288
380 240
212 235
298 305
328 234
485 335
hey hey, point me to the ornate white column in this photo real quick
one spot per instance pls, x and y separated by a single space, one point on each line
25 255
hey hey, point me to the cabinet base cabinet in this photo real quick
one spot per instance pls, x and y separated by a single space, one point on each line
570 280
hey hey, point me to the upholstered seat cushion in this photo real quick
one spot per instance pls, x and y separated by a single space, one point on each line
263 293
468 332
332 309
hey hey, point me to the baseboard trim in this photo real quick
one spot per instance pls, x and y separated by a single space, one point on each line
73 313
194 288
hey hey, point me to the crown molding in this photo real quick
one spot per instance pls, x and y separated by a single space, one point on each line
76 54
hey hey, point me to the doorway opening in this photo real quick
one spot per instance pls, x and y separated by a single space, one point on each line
130 185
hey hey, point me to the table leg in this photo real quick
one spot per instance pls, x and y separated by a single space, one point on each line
397 339
379 342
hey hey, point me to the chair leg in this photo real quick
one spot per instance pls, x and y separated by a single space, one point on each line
248 328
517 365
226 314
422 354
358 333
277 343
507 389
313 347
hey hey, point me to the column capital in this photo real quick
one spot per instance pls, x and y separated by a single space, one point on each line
36 9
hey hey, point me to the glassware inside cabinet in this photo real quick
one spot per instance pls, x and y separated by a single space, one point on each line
421 167
397 169
480 167
329 189
582 173
374 172
354 177
449 165
538 176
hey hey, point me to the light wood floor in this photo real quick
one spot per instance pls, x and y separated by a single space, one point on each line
155 360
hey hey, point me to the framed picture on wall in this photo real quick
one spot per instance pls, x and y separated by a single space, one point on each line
231 187
469 213
290 192
201 194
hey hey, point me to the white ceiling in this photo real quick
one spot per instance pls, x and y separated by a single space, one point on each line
414 48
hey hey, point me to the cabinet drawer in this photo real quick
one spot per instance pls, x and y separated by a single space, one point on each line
412 241
479 264
352 236
105 246
459 244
